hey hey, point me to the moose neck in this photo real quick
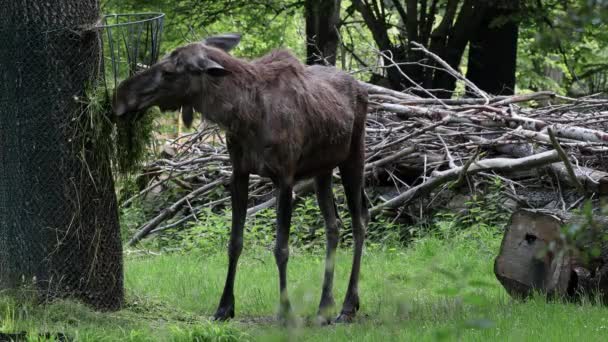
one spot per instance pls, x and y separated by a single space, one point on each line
226 100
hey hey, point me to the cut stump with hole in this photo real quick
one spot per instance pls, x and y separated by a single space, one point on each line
538 255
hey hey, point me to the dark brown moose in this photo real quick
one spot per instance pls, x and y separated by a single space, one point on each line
282 120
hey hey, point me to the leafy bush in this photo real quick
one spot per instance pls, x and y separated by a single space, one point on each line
483 210
211 230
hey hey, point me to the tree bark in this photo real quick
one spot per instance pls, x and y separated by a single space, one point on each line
59 229
322 19
469 18
379 30
493 53
448 40
536 255
493 49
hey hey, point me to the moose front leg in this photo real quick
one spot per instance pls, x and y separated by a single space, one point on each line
240 182
281 250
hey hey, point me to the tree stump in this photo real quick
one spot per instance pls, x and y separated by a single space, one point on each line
555 253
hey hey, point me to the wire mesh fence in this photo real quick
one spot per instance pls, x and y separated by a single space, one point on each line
59 228
131 43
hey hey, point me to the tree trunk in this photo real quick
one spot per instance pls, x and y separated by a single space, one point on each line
379 30
536 255
493 53
448 40
59 227
322 19
467 23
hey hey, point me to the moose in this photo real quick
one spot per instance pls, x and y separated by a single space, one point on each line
282 120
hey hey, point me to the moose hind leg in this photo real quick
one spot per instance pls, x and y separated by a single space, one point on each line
240 182
327 205
352 179
281 250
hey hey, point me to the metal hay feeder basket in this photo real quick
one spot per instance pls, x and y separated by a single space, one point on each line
131 43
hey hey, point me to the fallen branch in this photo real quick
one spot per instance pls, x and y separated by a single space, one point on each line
456 74
298 189
170 211
564 157
441 177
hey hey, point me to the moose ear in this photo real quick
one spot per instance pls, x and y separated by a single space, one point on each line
225 41
203 64
214 69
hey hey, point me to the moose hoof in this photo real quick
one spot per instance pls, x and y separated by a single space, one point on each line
322 320
346 317
288 318
290 321
224 314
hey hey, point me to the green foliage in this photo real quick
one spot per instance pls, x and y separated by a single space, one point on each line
131 218
585 236
211 230
267 25
209 233
483 210
563 46
125 140
133 139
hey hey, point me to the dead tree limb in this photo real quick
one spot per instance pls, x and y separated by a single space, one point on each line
566 161
170 211
441 177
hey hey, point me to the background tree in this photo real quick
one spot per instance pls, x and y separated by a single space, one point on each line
492 59
446 28
322 22
265 24
563 46
553 44
59 226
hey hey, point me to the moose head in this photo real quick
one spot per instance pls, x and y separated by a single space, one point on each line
177 80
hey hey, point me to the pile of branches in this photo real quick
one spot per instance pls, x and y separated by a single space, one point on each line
420 147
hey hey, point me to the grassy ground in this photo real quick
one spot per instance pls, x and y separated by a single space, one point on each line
442 287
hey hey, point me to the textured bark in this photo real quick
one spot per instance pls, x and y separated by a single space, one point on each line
462 22
322 19
469 18
448 40
378 28
59 227
493 53
439 36
536 256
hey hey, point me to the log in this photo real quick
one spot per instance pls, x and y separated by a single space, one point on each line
538 255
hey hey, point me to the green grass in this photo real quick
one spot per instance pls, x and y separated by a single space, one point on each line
442 287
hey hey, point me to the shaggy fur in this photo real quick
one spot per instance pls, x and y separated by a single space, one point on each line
283 120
